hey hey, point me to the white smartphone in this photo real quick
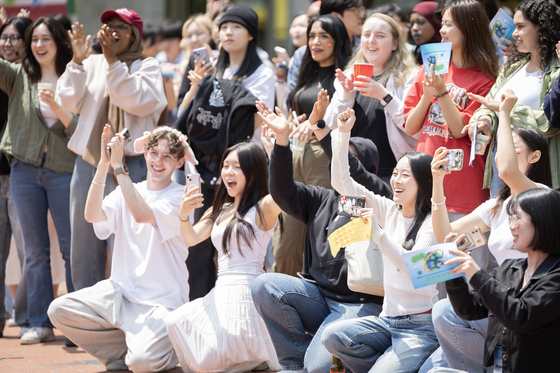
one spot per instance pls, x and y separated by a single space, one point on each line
199 53
474 237
193 181
281 52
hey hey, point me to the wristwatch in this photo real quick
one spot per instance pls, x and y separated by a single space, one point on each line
319 125
121 170
386 99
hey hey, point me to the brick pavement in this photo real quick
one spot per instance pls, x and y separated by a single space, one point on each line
46 357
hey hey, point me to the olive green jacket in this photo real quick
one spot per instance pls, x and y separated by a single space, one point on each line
523 115
27 133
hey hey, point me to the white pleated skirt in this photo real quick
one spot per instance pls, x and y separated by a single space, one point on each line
222 332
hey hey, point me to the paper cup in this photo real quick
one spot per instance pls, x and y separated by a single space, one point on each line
47 86
481 143
365 69
297 144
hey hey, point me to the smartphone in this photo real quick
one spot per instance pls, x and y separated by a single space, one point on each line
199 53
350 206
475 238
168 74
127 139
455 157
193 181
281 52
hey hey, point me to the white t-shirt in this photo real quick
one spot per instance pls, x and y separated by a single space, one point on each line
526 86
500 242
148 260
48 114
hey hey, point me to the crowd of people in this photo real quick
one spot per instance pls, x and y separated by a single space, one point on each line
185 155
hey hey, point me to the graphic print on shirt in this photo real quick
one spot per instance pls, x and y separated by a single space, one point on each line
459 97
216 100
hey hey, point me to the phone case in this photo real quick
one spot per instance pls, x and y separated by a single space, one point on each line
199 53
455 157
350 206
193 181
475 238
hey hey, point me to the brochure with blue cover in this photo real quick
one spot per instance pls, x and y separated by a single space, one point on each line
425 267
437 54
502 26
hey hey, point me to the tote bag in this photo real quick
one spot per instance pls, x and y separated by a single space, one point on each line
365 268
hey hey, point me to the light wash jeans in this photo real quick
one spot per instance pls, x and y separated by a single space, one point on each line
36 190
88 253
382 344
296 315
462 341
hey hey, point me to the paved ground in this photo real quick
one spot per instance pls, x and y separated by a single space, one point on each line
45 357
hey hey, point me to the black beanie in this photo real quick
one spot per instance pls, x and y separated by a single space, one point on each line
245 16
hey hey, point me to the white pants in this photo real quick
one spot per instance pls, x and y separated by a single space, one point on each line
108 326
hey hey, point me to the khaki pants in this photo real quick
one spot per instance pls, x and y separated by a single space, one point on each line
108 326
310 168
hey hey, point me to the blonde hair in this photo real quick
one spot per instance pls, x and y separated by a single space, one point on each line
202 21
401 61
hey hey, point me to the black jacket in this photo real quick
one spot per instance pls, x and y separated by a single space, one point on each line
316 208
220 115
525 322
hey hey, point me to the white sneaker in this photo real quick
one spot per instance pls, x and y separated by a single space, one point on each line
116 365
37 334
24 329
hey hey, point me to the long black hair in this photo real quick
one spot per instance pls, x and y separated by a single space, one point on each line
250 63
545 15
309 70
63 48
420 164
538 172
252 161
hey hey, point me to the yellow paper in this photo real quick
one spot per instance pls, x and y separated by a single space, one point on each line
352 232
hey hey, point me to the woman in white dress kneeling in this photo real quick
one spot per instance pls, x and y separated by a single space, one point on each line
223 331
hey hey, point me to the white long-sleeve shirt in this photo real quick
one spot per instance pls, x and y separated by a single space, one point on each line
140 93
394 112
389 234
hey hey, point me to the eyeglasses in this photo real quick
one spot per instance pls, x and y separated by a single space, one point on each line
14 39
514 221
119 26
166 158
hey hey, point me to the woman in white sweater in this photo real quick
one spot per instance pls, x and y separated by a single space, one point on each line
403 336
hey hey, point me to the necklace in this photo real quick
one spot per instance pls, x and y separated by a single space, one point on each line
321 82
50 79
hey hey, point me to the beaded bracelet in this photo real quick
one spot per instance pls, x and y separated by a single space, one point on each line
437 204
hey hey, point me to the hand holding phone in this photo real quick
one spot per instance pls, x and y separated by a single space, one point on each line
455 157
350 206
193 181
474 237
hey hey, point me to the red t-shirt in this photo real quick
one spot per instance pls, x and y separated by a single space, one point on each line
463 189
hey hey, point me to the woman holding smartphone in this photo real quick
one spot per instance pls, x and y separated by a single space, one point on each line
36 139
523 163
403 336
521 297
438 108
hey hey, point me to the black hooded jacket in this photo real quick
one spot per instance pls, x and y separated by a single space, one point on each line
316 207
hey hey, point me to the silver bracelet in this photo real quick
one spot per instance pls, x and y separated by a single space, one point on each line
437 204
96 183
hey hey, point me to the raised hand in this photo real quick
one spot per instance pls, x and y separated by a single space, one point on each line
366 213
105 138
484 126
434 83
437 161
509 99
276 122
320 107
79 48
108 44
488 102
346 82
506 50
345 120
192 199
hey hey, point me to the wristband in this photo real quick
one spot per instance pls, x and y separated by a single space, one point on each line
184 221
437 96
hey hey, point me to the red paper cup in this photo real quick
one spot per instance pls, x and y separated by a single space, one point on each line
365 69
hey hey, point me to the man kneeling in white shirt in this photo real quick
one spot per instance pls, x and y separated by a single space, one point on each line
120 321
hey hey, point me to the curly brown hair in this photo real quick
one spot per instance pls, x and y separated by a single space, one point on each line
173 137
545 15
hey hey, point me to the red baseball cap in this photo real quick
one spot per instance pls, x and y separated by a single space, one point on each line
127 15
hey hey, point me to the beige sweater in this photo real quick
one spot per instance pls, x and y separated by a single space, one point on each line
389 234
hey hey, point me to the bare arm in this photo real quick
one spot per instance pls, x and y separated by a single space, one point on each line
93 212
193 235
415 118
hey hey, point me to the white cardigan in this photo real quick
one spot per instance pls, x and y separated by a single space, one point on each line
400 296
140 93
394 112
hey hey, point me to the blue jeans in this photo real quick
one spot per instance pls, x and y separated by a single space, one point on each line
462 341
36 190
296 314
382 344
88 253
